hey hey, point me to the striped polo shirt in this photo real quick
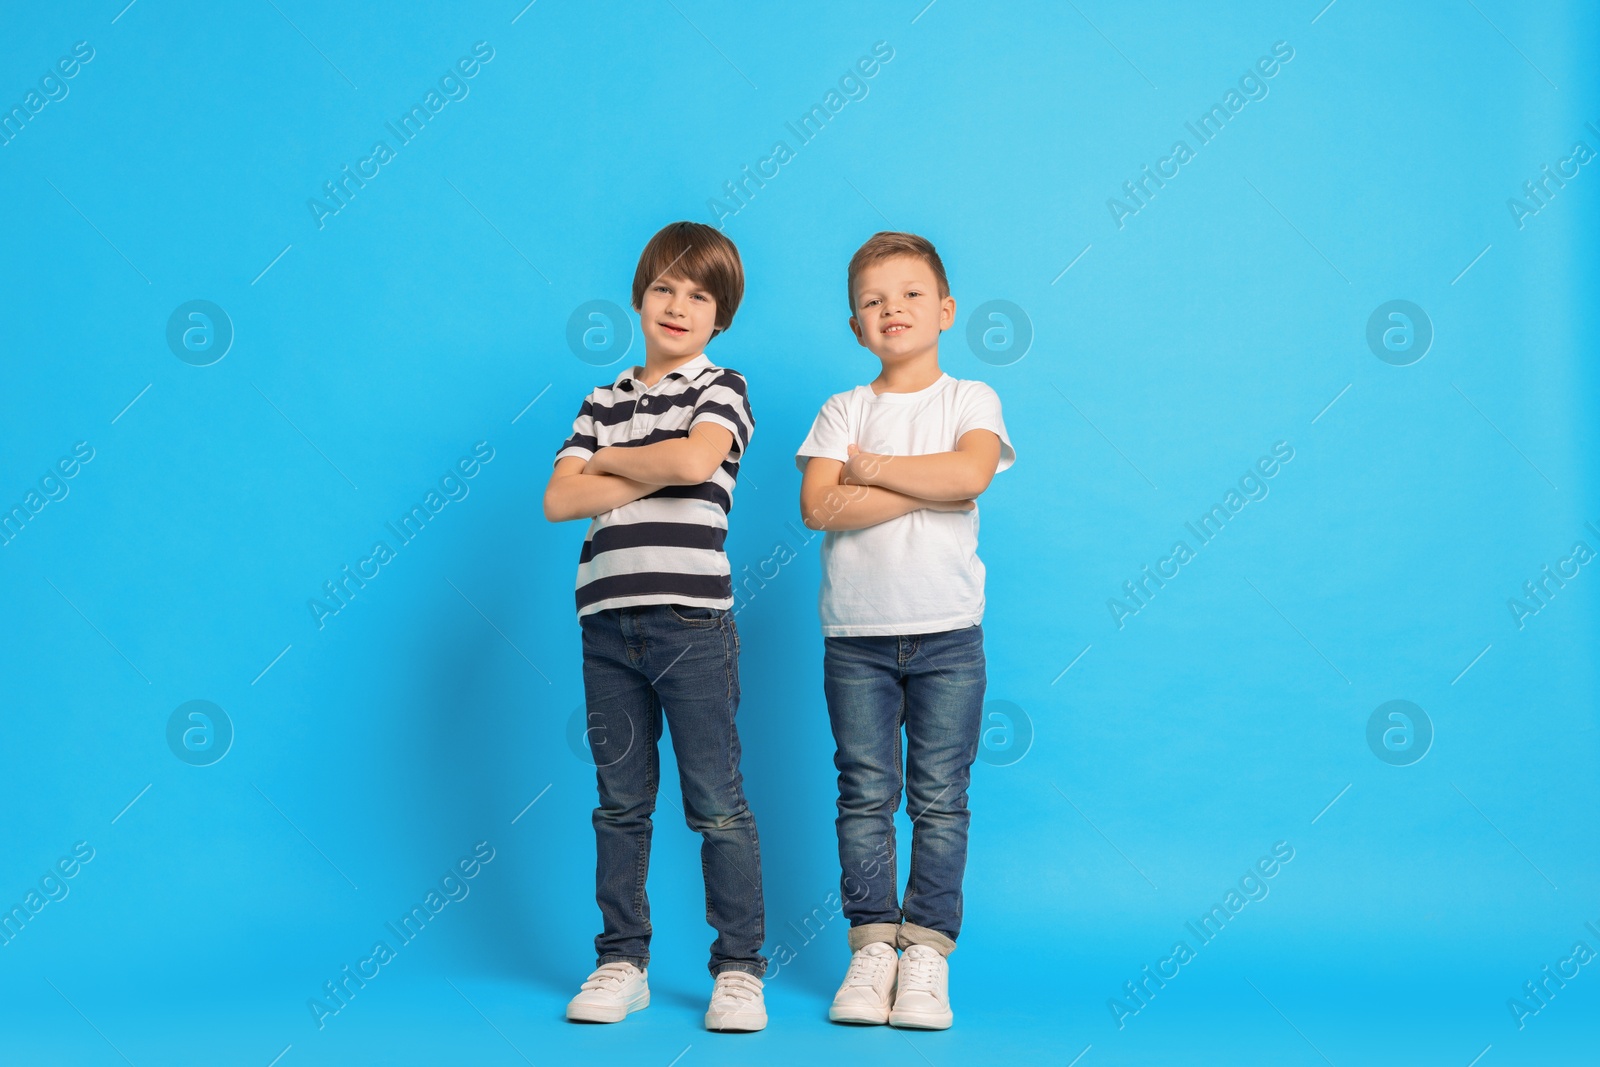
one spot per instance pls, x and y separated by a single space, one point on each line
665 548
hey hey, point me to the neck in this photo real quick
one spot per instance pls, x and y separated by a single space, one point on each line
658 366
910 374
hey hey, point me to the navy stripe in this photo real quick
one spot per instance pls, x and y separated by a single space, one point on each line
653 436
728 413
662 404
728 379
611 414
581 440
654 583
651 535
733 380
704 491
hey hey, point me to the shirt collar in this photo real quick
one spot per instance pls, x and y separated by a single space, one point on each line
690 369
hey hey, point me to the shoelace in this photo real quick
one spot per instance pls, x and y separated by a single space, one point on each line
736 986
866 969
609 976
918 972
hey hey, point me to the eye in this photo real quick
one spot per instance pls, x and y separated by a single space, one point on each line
662 289
700 296
914 292
869 303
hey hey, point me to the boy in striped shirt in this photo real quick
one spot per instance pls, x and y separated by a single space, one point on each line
652 462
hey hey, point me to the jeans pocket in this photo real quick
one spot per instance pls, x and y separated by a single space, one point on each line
697 616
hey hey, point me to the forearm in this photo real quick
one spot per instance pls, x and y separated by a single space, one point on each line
583 496
856 507
934 476
671 462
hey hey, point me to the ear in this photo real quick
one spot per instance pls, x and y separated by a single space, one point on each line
947 313
855 328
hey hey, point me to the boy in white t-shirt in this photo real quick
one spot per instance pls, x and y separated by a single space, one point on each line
892 470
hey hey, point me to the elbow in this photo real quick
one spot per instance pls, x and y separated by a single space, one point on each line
975 483
553 510
813 515
696 473
698 467
976 488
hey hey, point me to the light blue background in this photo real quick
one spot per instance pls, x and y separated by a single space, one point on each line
425 316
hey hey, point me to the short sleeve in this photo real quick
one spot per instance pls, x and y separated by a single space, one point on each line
980 410
726 402
582 443
830 434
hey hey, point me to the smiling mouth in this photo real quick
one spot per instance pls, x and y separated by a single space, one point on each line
896 327
674 331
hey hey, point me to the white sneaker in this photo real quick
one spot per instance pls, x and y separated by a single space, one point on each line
867 992
923 1000
609 994
736 1003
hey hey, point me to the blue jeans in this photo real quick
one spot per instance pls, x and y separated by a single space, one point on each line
637 662
932 686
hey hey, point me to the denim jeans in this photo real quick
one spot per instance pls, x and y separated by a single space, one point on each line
930 685
637 663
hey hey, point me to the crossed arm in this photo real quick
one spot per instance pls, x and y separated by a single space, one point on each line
614 476
869 488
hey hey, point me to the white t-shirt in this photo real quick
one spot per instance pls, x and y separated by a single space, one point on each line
917 573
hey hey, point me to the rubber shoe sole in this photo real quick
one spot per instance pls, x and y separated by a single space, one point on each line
736 1022
600 1013
921 1020
858 1014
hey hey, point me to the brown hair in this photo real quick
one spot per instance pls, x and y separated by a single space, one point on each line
700 253
886 244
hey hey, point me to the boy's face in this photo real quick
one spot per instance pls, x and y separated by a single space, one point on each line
677 317
899 312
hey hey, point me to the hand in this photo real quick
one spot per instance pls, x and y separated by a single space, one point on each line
596 464
859 467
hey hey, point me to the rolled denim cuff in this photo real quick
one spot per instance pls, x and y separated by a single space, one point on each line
867 933
641 962
912 934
